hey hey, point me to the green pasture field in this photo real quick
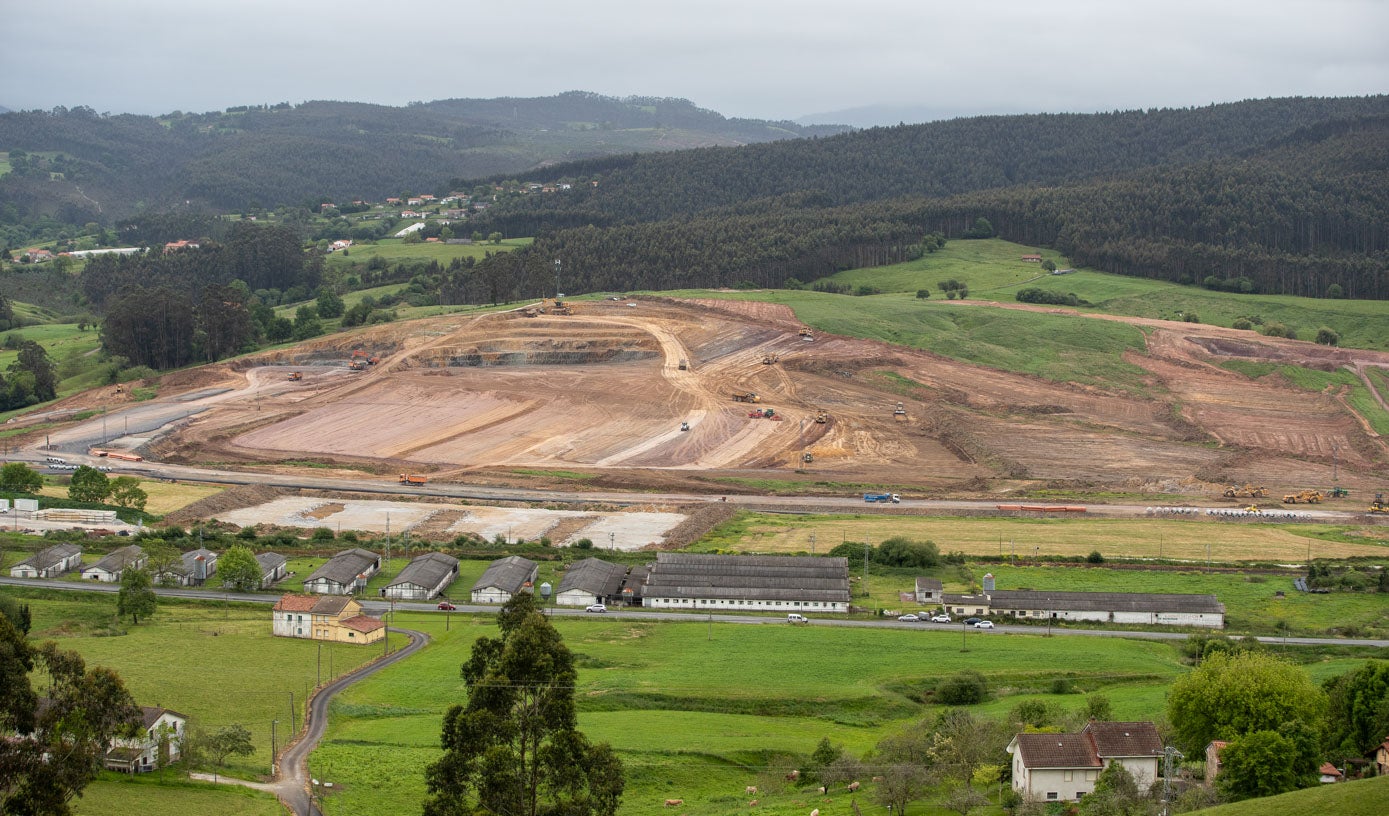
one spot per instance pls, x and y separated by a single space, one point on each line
67 347
1152 538
1361 797
147 795
698 711
1061 347
216 663
992 270
395 250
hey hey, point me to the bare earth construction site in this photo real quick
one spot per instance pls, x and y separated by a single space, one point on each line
598 398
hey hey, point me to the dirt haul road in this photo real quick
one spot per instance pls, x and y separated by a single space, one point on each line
598 398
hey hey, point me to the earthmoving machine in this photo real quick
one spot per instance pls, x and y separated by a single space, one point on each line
745 396
561 308
684 364
1253 508
1248 491
357 365
805 333
769 359
1379 506
900 412
413 479
1304 497
807 457
1337 493
359 354
296 376
684 426
821 417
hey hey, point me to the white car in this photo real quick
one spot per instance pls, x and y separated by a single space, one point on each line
941 618
596 608
984 625
909 618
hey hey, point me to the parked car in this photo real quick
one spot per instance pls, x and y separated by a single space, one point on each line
596 608
983 624
446 606
941 618
795 618
972 621
909 618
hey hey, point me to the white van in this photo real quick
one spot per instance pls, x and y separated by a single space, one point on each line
796 618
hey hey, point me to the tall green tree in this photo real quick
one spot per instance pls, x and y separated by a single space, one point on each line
1233 694
89 485
49 754
1358 716
17 477
513 748
1116 794
1262 763
126 492
239 568
136 596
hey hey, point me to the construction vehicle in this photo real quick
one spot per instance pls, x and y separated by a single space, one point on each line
413 479
296 376
1253 508
1304 496
1248 491
805 333
882 498
821 417
1337 493
359 354
357 365
1379 505
373 360
745 396
561 308
769 359
684 426
900 412
768 413
530 312
684 364
807 458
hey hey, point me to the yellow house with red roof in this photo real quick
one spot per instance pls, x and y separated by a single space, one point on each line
335 618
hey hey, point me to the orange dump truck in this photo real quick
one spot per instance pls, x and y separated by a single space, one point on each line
410 478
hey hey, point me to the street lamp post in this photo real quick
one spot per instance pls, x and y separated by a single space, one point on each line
612 541
273 749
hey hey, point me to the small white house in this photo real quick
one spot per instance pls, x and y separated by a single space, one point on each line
108 570
272 568
142 753
1064 767
49 562
505 577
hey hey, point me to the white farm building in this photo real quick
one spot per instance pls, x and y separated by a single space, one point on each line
505 577
108 570
1142 608
345 573
49 562
591 581
759 583
424 577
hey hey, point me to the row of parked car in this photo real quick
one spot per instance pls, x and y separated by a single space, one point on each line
912 617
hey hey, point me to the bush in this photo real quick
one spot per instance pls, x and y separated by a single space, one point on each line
963 688
1034 294
583 544
1242 323
1062 685
1094 557
922 294
1191 317
1278 330
900 551
322 534
1328 337
1335 291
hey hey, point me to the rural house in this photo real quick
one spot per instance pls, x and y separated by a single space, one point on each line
193 569
424 577
1213 760
272 568
1145 608
929 590
505 577
108 570
591 581
337 619
1329 774
49 562
1064 767
345 573
1382 758
763 583
142 753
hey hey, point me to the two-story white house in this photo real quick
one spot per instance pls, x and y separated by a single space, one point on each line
142 752
1064 767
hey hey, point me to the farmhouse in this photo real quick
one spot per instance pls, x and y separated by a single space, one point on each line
929 590
345 573
1143 608
763 583
108 570
49 562
591 581
1064 767
505 577
423 578
335 618
142 753
193 569
272 568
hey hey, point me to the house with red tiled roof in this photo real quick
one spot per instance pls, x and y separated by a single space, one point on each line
1213 760
1064 767
335 618
1382 758
175 246
1329 774
1032 258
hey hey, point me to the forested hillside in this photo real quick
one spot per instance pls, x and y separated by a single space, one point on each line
1278 196
78 166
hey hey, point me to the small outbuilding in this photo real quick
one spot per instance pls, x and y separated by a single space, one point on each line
49 562
345 573
193 569
272 568
591 581
505 577
109 569
929 590
423 578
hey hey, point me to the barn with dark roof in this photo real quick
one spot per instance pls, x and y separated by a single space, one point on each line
760 583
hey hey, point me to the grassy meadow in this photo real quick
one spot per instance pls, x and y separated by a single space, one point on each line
1361 797
147 795
395 250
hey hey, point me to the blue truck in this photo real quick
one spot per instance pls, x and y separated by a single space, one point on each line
882 497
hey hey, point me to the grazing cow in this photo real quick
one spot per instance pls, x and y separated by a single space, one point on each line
674 802
853 786
877 779
822 790
815 812
754 802
793 776
750 790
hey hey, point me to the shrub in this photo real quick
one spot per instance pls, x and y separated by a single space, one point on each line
322 534
1335 291
1034 294
583 544
1062 685
922 294
1328 337
1276 329
1191 317
1242 323
1094 557
963 688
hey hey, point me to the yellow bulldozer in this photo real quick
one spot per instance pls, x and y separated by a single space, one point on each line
1304 497
1246 492
822 416
1379 506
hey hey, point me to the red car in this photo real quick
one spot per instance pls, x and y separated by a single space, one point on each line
446 606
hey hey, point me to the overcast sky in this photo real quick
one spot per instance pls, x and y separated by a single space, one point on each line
772 59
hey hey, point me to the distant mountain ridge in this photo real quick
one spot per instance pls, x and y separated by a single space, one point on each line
286 153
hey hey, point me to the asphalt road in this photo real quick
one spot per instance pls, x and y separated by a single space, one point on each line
379 606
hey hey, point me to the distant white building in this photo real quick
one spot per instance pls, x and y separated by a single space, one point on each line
591 581
49 562
410 229
141 753
109 569
424 577
345 573
505 577
758 583
1064 767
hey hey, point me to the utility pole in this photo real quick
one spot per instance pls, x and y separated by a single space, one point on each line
1168 754
273 749
557 268
812 543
